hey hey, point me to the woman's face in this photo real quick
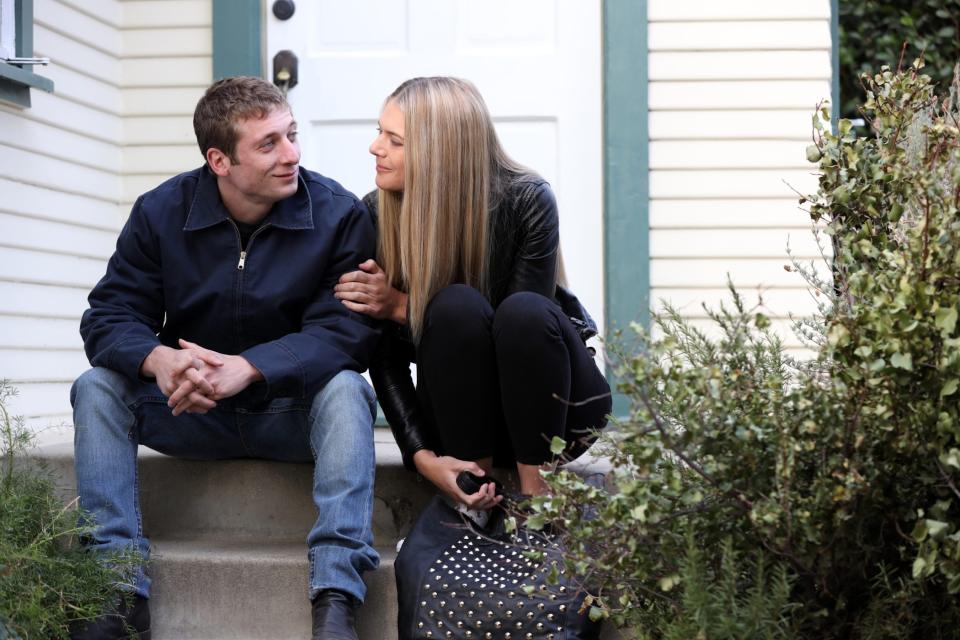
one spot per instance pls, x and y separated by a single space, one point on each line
388 148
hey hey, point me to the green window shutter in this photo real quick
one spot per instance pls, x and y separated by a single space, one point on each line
626 169
17 80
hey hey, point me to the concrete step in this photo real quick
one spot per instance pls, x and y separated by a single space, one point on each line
249 499
229 554
219 589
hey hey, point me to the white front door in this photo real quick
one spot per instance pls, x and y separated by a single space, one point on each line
536 62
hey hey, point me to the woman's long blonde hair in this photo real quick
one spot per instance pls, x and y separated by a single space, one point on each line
435 232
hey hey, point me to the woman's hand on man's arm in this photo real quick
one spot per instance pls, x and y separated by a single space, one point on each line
367 291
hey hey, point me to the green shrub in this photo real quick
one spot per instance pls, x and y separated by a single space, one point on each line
46 579
757 496
872 33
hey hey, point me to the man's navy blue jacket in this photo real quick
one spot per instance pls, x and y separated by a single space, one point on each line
177 273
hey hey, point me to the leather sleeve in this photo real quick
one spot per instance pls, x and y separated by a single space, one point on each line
536 266
390 373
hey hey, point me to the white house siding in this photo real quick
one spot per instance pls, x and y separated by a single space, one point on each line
733 86
126 77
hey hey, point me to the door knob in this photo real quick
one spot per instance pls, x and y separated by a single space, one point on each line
283 9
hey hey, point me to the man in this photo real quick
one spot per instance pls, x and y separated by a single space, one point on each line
215 334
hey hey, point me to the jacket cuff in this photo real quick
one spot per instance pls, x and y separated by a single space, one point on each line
127 357
282 371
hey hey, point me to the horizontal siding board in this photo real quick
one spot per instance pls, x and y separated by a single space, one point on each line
62 111
104 10
85 90
732 125
42 301
191 41
64 19
46 203
21 265
712 273
170 159
43 365
758 94
755 183
166 72
67 52
145 14
660 10
735 65
159 130
33 168
179 101
739 36
55 237
741 154
43 399
777 303
135 185
732 243
17 332
29 134
779 213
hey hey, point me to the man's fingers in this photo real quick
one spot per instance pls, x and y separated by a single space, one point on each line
194 403
209 357
199 382
181 392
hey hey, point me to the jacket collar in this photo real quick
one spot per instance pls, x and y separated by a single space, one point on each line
206 210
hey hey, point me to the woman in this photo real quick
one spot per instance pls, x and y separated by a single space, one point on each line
467 273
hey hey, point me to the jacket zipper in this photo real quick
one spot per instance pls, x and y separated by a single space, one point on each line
240 266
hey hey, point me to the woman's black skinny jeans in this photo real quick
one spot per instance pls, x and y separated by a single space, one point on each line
493 377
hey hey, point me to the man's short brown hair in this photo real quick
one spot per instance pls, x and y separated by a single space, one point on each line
228 102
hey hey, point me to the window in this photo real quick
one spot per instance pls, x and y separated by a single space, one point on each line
17 74
8 32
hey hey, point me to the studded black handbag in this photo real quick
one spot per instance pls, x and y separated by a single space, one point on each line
460 581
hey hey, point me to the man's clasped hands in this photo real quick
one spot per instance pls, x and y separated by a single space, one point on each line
194 378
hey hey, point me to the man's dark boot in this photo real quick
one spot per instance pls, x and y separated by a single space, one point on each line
334 616
129 618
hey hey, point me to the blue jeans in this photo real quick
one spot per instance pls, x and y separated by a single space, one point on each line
113 415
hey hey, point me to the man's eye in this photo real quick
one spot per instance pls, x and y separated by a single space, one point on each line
292 136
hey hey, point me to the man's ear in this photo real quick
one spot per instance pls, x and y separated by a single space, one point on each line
218 161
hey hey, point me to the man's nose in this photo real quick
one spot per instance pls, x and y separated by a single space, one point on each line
291 152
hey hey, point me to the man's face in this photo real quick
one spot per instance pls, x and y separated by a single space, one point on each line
267 156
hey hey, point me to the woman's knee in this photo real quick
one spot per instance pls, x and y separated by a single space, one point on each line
458 309
524 315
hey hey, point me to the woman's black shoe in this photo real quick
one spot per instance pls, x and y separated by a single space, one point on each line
334 616
129 618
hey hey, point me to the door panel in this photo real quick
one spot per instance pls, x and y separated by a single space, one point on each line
537 64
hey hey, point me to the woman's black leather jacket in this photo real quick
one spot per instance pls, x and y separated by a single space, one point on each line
524 243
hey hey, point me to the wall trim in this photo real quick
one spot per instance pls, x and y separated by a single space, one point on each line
626 164
835 61
237 38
